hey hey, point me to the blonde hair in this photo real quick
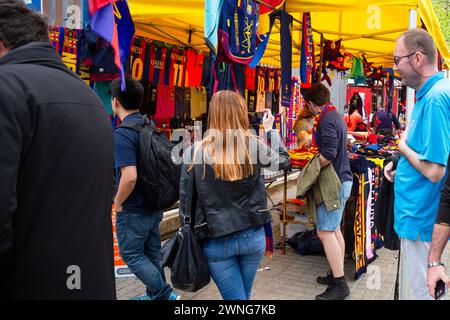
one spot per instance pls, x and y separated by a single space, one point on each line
228 156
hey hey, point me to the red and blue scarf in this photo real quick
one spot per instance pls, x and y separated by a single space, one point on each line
328 107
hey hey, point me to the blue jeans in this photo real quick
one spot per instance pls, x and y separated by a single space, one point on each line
233 260
139 246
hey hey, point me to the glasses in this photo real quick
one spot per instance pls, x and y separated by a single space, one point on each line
397 58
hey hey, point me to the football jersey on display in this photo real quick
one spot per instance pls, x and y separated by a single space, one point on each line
165 105
160 68
251 100
250 78
177 67
194 68
182 102
262 81
198 101
271 75
137 58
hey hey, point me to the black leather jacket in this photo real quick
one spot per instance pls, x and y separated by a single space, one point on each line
223 207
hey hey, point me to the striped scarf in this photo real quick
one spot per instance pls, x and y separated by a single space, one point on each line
328 107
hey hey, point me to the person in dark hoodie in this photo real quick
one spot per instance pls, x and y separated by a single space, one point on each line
56 169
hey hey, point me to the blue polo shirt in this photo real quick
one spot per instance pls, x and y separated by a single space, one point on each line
417 198
126 147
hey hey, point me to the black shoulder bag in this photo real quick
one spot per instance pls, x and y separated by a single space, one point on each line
183 254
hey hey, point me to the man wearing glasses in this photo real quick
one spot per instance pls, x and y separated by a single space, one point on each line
424 149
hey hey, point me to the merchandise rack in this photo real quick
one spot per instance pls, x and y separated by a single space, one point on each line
284 214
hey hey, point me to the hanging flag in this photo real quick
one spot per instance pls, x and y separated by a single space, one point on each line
125 31
307 53
112 21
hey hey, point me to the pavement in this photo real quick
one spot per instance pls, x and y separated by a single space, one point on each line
293 277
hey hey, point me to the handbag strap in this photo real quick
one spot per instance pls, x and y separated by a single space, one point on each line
192 199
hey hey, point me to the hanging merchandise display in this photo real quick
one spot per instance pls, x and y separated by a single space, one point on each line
165 106
361 212
357 72
250 78
176 67
332 54
292 111
198 102
161 65
56 36
211 23
69 49
113 22
138 55
265 13
307 61
194 68
250 97
237 31
286 58
367 66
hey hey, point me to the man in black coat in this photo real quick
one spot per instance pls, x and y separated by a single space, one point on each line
56 171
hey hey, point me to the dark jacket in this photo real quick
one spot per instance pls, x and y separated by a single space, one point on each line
56 169
224 207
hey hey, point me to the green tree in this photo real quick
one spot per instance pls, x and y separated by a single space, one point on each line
442 8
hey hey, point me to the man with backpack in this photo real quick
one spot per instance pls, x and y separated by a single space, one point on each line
137 221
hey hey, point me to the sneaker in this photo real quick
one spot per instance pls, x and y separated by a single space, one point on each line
144 297
174 296
327 280
338 290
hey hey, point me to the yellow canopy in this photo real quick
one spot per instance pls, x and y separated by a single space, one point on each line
369 27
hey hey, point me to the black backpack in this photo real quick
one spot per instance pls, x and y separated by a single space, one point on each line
306 243
158 173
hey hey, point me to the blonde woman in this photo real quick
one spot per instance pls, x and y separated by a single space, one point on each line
231 201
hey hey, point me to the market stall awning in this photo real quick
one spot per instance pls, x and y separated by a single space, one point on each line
365 26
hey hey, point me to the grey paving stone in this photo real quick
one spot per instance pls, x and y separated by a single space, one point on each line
292 277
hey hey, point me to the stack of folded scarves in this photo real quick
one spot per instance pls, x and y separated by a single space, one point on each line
300 156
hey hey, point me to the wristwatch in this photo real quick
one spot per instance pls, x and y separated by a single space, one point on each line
435 264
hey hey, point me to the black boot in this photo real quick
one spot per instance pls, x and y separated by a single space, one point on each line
338 290
327 280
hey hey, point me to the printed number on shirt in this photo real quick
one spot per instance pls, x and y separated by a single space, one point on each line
261 84
137 69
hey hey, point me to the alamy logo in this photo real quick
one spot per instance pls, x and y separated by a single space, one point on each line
374 19
74 280
374 277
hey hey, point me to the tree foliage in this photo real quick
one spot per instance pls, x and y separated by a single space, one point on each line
442 9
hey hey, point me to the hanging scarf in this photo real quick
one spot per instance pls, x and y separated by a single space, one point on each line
328 107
